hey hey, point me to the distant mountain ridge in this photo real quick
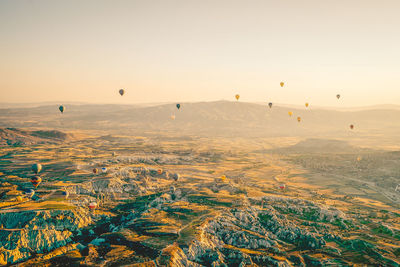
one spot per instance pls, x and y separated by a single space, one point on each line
221 118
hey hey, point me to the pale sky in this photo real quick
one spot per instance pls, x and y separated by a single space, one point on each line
178 51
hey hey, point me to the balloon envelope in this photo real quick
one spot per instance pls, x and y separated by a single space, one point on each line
36 168
61 108
95 170
29 192
92 205
306 105
290 113
36 180
65 193
178 106
104 169
337 96
270 105
121 92
282 84
175 176
352 126
237 97
298 119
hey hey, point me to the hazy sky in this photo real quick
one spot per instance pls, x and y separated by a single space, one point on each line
163 51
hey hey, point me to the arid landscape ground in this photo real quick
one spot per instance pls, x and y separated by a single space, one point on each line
221 184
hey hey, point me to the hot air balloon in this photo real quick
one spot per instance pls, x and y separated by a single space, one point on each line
178 106
270 105
359 158
36 168
282 84
223 178
299 119
306 105
36 180
29 193
159 171
95 170
172 117
175 176
121 92
282 186
61 108
92 205
104 170
351 126
290 113
237 97
65 193
337 96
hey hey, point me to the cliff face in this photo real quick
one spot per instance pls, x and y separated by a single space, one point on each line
261 236
27 233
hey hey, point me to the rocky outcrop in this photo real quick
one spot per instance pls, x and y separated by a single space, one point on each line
27 233
19 137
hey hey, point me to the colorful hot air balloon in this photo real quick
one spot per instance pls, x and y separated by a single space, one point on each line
159 171
36 180
61 108
178 106
92 205
359 158
172 117
298 119
337 96
36 168
351 126
270 105
282 186
121 92
104 170
223 178
290 113
306 105
29 193
237 96
282 84
95 170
